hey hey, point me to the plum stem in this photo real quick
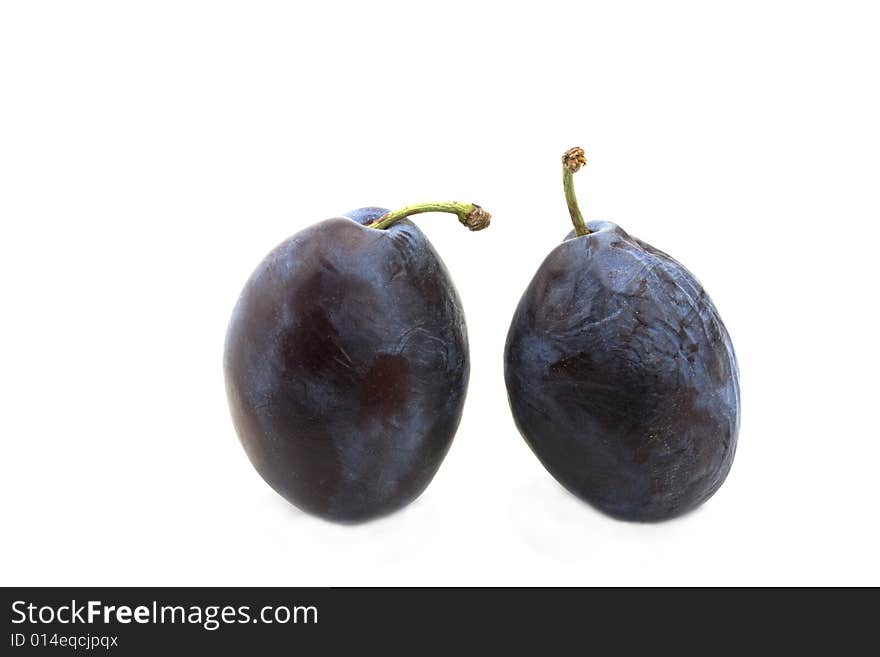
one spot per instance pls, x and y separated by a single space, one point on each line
469 214
572 161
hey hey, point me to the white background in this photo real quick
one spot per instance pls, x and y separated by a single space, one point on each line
152 153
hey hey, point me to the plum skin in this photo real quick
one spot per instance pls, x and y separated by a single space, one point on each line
622 377
346 364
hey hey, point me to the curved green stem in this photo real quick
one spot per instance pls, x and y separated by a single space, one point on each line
469 214
572 161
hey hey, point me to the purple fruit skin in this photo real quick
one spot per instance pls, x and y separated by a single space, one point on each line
346 365
622 377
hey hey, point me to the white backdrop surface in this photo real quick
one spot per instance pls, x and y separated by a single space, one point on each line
152 153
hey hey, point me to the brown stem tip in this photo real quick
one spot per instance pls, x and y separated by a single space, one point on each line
476 219
574 159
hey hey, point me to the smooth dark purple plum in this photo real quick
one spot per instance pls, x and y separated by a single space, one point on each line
622 377
346 366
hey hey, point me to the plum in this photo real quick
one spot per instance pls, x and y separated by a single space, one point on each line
346 362
620 373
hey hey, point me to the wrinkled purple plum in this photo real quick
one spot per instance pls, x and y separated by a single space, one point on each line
621 376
